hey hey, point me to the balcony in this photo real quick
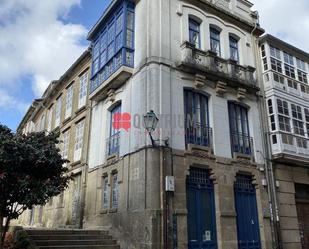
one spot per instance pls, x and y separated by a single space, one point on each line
290 147
198 134
112 43
196 61
241 144
289 85
101 85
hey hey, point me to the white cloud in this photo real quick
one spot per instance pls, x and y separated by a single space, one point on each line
9 102
35 42
286 19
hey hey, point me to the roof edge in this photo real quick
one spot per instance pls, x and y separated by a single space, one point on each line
47 93
271 38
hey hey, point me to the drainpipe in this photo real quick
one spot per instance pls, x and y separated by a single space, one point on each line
86 165
269 172
163 197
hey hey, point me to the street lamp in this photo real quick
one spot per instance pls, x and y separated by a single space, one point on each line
151 121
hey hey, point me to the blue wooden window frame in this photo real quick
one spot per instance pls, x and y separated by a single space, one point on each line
239 129
197 130
234 52
114 134
110 47
215 45
194 33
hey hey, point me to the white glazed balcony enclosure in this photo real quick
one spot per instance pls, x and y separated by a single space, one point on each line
289 147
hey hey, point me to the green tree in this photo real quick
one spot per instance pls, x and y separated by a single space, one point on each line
31 172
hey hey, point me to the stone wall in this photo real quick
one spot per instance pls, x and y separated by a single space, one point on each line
287 176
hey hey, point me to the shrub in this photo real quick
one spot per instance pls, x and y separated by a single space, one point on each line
22 241
9 241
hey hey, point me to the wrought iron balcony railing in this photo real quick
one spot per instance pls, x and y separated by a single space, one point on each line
199 134
113 144
242 144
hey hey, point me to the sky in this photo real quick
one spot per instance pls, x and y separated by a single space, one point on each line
40 39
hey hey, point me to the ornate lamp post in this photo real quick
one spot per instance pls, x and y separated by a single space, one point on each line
151 121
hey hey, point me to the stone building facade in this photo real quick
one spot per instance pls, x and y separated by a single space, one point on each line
285 76
64 108
193 62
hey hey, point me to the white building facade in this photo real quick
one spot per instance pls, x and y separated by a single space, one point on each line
193 63
285 76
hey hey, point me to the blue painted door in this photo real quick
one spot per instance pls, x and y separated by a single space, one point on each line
248 232
201 210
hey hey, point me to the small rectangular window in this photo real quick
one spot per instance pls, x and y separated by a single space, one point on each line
194 33
215 41
301 143
69 102
276 65
105 189
296 112
302 76
298 127
272 122
292 84
265 64
274 139
115 191
65 144
287 139
284 123
114 137
275 52
303 88
283 107
288 59
50 119
83 89
79 136
301 64
278 78
234 48
270 106
289 71
307 115
130 30
58 112
263 51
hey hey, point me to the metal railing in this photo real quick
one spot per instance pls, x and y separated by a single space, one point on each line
199 134
113 144
241 143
